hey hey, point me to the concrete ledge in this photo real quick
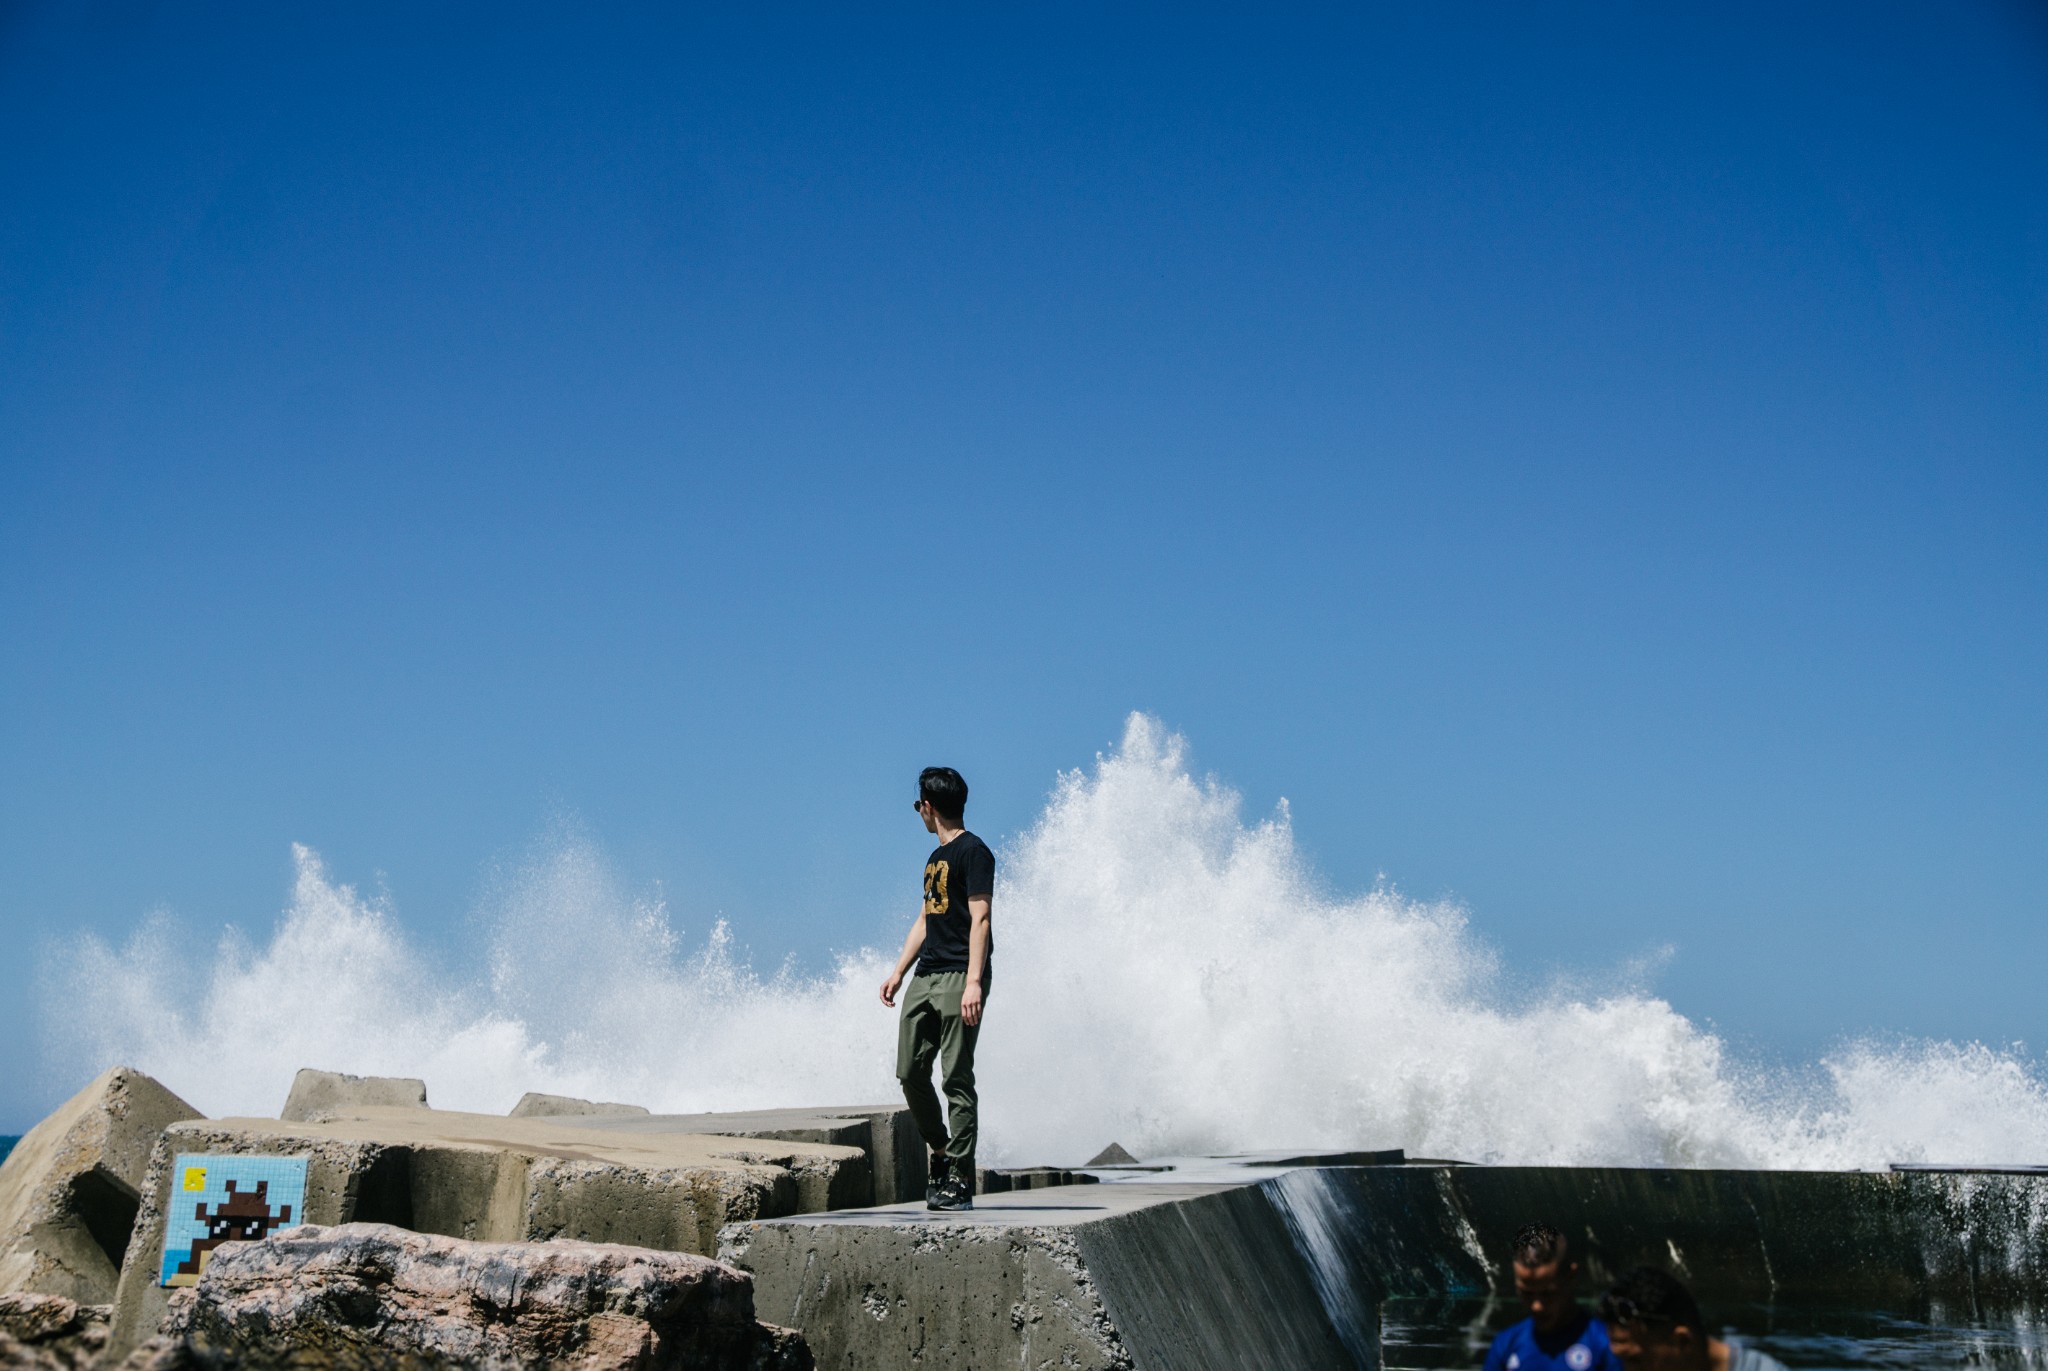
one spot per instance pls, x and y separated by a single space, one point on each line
884 1131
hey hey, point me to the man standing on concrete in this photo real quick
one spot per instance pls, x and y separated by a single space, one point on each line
952 944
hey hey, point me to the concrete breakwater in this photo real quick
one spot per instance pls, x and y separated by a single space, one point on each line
1291 1270
1277 1261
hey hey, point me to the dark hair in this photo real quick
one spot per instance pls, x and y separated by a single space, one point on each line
947 792
1538 1244
1650 1295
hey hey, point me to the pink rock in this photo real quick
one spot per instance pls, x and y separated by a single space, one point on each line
360 1293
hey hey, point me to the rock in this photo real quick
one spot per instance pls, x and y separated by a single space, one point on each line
534 1105
370 1294
69 1189
493 1179
1112 1155
323 1094
49 1332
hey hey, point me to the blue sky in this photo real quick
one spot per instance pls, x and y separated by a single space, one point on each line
1592 462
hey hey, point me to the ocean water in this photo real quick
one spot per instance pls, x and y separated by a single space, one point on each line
1220 974
7 1145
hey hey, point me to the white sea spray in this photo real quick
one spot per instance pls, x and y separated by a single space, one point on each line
1168 975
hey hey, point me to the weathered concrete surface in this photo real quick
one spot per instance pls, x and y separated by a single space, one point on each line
534 1105
49 1333
490 1178
1099 1278
902 1286
885 1132
1289 1271
325 1094
364 1292
70 1188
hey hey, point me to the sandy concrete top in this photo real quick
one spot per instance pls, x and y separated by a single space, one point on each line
572 1137
1054 1207
742 1120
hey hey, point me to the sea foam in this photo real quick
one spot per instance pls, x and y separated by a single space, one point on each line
1168 975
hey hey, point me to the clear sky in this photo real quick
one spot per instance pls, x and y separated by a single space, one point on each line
1592 462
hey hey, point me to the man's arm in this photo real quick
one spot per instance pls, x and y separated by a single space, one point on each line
913 944
977 957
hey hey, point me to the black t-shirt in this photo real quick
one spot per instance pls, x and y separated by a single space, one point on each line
953 874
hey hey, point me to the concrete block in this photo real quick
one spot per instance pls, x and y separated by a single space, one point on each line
534 1105
320 1094
488 1178
70 1189
885 1132
1193 1276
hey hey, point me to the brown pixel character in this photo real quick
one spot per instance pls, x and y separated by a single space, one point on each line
244 1216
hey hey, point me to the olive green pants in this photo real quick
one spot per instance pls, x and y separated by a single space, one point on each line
931 1026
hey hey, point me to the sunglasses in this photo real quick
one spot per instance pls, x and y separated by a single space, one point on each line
918 805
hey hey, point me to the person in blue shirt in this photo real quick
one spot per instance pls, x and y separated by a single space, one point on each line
1558 1335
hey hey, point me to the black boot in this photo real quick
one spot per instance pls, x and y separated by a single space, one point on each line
956 1191
940 1171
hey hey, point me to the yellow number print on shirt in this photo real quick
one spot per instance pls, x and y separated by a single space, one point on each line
935 887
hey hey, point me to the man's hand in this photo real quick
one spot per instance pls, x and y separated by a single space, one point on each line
890 987
970 1004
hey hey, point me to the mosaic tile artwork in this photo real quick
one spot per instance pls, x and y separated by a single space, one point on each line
217 1199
